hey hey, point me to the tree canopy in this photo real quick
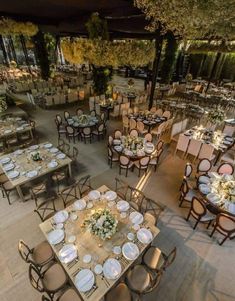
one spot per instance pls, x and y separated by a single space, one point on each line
191 19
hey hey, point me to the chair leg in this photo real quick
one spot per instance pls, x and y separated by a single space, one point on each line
225 238
119 170
195 226
187 218
126 171
208 226
213 231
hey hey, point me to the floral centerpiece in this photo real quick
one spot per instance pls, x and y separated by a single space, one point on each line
216 116
130 83
3 105
225 186
102 224
36 156
133 143
83 119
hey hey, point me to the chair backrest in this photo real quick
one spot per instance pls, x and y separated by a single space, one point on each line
153 109
35 278
188 170
148 137
167 114
176 129
110 140
134 133
135 195
79 112
117 134
226 223
159 112
204 165
58 118
198 207
116 110
194 147
125 121
66 115
144 161
184 188
140 126
121 188
124 160
24 251
170 258
225 169
182 143
69 129
206 151
93 113
184 124
69 194
84 185
86 131
159 145
101 128
46 209
229 130
132 123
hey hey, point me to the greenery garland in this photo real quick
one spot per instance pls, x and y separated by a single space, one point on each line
212 46
108 53
11 27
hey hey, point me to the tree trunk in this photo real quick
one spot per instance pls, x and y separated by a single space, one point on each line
4 51
158 47
12 49
22 40
201 65
218 55
42 55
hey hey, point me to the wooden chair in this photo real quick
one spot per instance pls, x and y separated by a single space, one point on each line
204 165
140 280
84 185
120 292
7 188
158 261
39 189
154 161
46 209
142 164
134 133
59 176
69 294
112 156
99 132
186 193
79 112
40 255
117 134
71 133
135 197
151 207
69 194
199 212
125 163
86 134
121 188
140 128
148 137
225 225
50 281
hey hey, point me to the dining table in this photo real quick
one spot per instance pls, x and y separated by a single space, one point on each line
14 125
24 165
149 120
135 148
219 192
95 265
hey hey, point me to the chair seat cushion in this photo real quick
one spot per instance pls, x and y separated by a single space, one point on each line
189 196
153 161
137 164
153 258
69 295
8 186
128 166
58 176
42 253
119 293
138 278
54 278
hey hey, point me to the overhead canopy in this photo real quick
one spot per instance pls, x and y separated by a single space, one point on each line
68 17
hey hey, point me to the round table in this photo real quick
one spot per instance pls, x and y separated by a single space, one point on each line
150 122
86 121
219 192
134 148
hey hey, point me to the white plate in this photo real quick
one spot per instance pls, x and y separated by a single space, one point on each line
59 226
229 138
204 180
31 173
48 145
205 189
18 152
54 150
71 238
116 141
13 174
84 280
89 205
136 218
123 215
118 148
56 236
130 236
68 253
110 195
73 217
214 198
79 204
34 147
130 251
9 167
226 142
20 128
52 164
123 206
86 258
7 131
60 216
94 195
112 269
144 236
5 160
60 156
98 269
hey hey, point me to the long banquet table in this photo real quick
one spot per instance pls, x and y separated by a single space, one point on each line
23 165
100 250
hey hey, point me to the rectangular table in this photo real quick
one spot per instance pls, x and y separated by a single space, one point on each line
24 163
99 250
12 126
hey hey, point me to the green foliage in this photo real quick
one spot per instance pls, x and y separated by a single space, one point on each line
169 58
11 27
210 46
101 77
97 28
42 54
